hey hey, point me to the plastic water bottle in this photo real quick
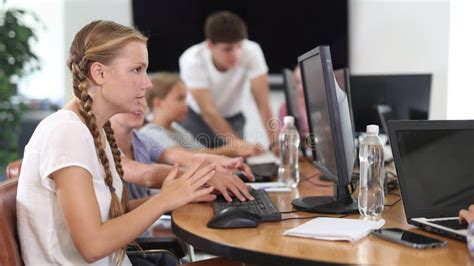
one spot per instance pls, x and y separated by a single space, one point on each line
288 172
371 193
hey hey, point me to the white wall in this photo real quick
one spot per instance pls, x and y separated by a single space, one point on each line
48 82
400 36
461 58
80 12
386 36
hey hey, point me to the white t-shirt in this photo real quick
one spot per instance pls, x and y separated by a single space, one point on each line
59 141
178 136
227 88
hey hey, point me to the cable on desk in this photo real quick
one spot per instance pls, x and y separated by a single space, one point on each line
285 212
395 194
305 178
311 217
393 204
314 183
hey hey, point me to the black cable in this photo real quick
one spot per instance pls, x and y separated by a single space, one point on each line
319 185
285 212
391 173
310 217
345 215
308 177
391 205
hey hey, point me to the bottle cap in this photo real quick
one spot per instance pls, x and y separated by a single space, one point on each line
374 129
288 120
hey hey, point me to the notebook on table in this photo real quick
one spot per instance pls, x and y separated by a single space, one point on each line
434 162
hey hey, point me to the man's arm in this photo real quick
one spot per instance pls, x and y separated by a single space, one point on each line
260 92
220 126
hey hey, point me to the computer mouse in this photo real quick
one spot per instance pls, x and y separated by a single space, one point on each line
234 218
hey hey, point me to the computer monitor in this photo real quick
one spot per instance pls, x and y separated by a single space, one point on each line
291 96
407 95
330 130
342 76
292 103
385 114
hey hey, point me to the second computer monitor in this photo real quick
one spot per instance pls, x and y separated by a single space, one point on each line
291 95
407 95
331 131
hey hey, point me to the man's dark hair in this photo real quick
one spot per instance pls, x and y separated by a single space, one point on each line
225 26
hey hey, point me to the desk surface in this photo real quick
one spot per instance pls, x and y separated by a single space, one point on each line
266 244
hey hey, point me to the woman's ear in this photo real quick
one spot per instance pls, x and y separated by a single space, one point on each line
97 73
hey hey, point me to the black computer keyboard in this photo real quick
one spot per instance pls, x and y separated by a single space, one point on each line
451 223
262 205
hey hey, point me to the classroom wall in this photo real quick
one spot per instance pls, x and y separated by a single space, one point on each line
399 36
386 36
48 82
461 59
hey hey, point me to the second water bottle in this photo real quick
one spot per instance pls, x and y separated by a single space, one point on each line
288 171
371 193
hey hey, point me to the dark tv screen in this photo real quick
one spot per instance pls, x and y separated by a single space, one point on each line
284 29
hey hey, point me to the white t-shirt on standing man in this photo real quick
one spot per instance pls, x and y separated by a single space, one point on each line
227 88
59 141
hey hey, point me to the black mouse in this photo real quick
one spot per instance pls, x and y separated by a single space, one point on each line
234 218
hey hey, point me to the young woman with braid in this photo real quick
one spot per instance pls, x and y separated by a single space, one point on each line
72 205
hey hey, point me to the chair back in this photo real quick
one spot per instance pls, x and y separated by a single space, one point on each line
10 248
13 169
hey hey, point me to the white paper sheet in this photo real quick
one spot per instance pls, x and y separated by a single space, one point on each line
335 229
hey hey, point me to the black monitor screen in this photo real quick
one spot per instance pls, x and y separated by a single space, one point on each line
436 171
329 116
291 93
283 29
330 127
407 95
316 97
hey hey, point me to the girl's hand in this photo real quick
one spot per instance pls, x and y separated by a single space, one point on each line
189 186
467 216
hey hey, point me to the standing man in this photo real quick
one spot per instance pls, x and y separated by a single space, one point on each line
217 72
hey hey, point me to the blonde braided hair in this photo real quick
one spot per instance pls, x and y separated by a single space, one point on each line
101 41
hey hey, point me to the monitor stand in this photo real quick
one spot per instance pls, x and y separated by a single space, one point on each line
341 203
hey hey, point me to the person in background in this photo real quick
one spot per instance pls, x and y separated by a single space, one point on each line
303 119
146 162
166 101
218 72
72 205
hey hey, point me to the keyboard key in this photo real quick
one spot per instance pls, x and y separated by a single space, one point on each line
451 223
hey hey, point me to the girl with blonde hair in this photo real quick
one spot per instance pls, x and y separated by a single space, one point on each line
72 205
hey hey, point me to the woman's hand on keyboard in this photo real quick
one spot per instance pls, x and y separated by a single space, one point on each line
239 165
467 216
231 164
189 186
229 184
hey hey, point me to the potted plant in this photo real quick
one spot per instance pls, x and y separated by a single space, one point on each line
16 61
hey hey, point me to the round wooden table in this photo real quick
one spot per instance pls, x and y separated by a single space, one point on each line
266 244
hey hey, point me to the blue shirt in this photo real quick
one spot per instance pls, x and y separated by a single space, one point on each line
146 150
